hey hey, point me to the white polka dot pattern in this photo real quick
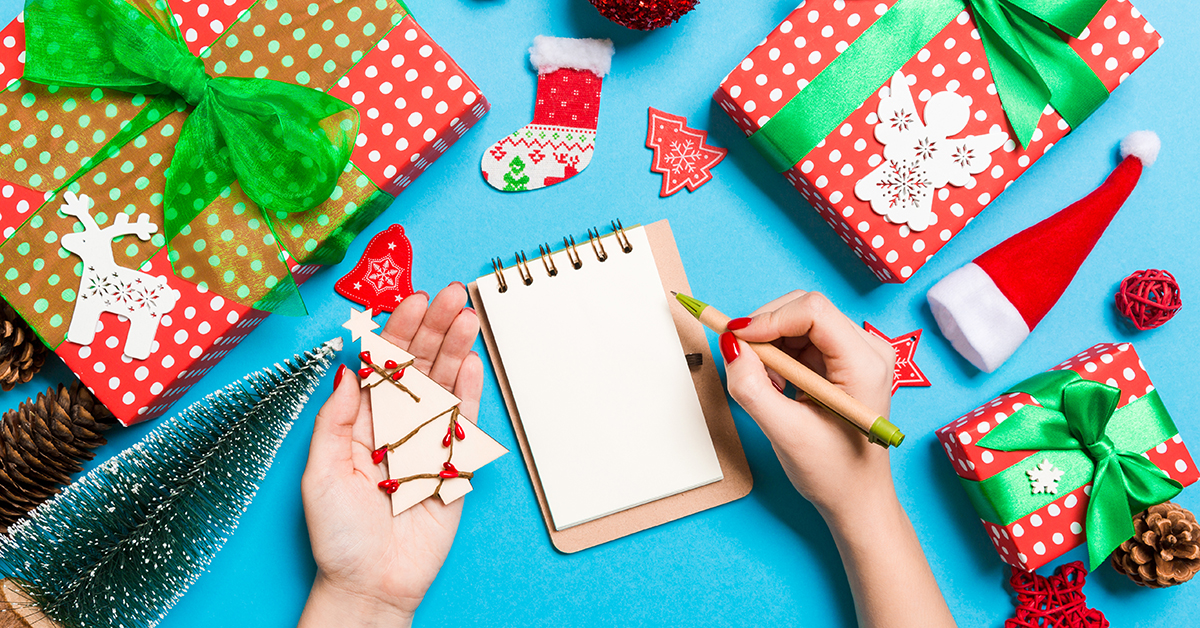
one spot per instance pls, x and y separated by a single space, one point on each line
808 40
1058 526
414 103
404 66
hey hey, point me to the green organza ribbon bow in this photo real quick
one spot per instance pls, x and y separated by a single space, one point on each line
1032 66
284 144
1080 416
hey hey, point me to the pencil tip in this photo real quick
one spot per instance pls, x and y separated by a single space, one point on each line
674 294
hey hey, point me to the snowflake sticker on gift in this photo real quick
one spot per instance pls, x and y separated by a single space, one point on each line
920 154
1044 478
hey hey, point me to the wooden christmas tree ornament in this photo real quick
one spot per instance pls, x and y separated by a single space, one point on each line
430 447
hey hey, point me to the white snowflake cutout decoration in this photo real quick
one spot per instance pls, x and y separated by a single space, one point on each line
920 156
1044 478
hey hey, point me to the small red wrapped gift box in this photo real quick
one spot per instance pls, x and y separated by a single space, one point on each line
893 211
413 102
1034 504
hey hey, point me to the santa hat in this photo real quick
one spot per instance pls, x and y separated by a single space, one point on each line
988 307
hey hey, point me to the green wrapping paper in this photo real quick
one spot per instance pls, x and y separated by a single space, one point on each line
116 147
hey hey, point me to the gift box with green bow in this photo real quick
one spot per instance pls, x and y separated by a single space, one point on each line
258 137
1067 457
852 102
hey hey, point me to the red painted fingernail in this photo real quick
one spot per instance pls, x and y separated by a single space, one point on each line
390 486
777 386
459 283
729 347
458 432
471 310
365 356
337 378
365 372
738 323
422 293
378 455
390 364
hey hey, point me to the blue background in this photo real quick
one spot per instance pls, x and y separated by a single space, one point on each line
745 238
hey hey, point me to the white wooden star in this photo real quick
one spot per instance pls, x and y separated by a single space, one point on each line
360 323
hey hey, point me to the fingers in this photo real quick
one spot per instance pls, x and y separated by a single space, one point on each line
330 449
778 303
811 315
455 348
468 385
751 387
427 340
402 325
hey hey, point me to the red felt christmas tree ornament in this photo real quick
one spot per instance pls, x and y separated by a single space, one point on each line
644 15
988 307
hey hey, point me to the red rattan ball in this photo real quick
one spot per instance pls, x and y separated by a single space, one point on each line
644 15
1149 298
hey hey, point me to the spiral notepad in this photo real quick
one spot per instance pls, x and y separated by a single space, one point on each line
608 412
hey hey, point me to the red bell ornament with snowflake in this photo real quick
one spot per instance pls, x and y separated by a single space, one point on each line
383 276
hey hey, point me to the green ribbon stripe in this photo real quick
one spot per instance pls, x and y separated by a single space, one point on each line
1080 431
286 145
1031 66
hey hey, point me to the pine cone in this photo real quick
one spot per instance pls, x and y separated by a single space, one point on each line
21 351
1164 550
44 442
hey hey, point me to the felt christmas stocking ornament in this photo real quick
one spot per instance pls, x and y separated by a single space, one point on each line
988 307
558 144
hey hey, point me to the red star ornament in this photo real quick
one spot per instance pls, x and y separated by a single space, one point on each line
383 277
907 372
681 155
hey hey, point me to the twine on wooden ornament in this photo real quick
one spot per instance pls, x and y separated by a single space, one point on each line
1148 298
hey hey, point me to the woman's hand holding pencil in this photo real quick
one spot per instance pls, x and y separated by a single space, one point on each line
825 455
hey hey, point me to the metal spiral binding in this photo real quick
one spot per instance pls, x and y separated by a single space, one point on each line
622 238
572 253
547 259
523 268
570 248
594 238
498 268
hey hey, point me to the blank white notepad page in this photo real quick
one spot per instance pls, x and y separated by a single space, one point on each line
600 382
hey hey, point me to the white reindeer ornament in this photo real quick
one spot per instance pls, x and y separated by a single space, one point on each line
107 287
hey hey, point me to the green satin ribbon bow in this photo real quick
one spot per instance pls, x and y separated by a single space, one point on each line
1079 428
284 144
1031 66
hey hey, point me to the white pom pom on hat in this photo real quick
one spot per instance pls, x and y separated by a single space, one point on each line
987 308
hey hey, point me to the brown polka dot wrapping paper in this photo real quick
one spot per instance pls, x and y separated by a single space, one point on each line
896 217
413 102
1058 523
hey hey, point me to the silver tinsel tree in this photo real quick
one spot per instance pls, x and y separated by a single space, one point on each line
121 545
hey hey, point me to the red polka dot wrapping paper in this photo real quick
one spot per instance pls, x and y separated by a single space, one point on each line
413 100
1048 532
1115 43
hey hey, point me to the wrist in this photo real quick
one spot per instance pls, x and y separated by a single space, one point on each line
332 605
877 503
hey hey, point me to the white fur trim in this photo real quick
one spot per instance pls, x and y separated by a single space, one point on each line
1141 144
976 317
552 53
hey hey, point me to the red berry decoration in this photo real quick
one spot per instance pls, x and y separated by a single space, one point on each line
644 15
390 486
398 374
365 356
378 455
390 364
446 440
1149 298
459 433
365 372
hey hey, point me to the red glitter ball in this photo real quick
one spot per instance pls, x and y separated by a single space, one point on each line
644 15
1149 298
